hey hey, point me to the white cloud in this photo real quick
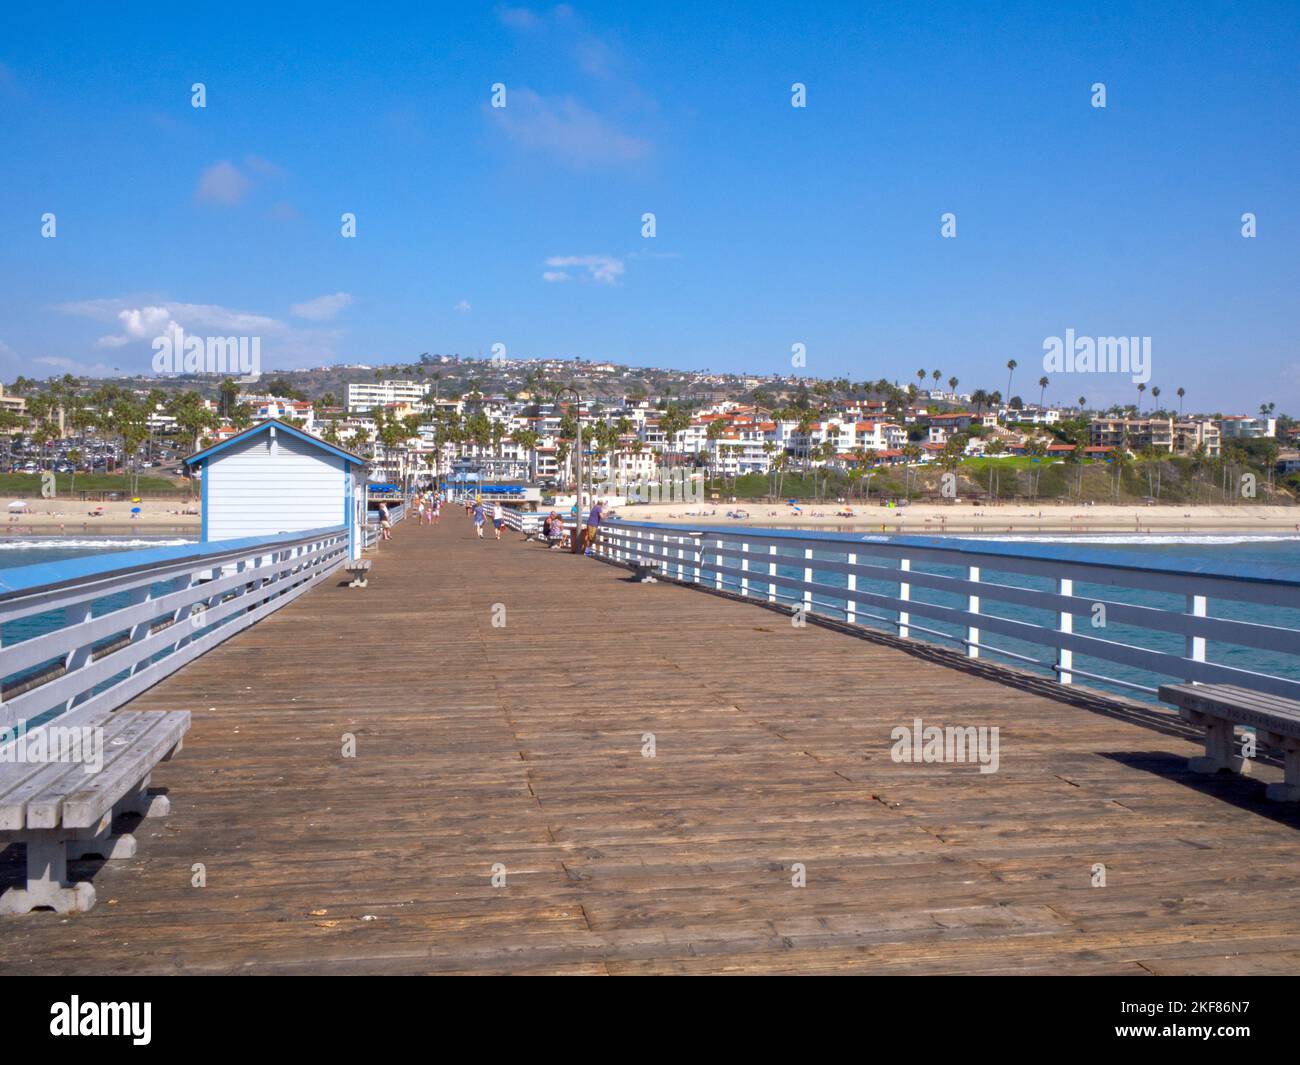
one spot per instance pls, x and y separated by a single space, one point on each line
264 167
463 306
223 183
602 269
566 130
141 321
322 308
518 18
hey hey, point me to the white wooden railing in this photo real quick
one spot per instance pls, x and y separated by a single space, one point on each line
89 634
983 592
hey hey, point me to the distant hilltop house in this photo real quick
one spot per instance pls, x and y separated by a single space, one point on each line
274 478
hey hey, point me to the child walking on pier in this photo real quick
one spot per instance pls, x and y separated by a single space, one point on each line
478 519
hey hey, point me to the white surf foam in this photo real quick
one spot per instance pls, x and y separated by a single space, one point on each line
65 544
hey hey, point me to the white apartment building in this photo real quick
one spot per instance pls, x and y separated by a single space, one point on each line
365 396
1246 427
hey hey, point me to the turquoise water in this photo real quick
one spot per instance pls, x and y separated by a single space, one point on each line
1281 553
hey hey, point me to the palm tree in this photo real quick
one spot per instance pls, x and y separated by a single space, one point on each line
1043 382
1141 388
1011 369
1180 394
952 385
1155 395
1083 402
937 375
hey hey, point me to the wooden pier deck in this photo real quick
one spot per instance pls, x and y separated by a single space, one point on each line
522 745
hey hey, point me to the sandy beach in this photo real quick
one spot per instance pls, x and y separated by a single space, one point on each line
931 518
54 517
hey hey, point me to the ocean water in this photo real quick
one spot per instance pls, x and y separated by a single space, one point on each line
1280 553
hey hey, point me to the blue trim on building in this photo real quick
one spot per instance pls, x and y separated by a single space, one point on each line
200 457
204 472
348 504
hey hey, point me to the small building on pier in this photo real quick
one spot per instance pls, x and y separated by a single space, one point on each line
274 478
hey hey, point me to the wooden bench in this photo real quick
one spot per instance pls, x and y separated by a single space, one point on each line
644 572
1219 708
64 809
360 570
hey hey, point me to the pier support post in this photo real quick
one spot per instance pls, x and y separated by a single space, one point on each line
904 594
1197 608
850 605
973 605
807 580
1064 656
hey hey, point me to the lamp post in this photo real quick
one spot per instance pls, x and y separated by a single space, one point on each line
577 449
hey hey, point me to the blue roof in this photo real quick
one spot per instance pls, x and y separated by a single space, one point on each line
200 457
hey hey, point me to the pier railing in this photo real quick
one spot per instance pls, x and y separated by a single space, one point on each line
90 633
1114 617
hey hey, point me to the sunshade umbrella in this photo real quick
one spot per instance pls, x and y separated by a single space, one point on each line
18 504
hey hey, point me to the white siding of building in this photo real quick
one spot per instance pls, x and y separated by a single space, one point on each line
266 486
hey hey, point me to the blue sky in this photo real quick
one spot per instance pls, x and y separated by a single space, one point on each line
775 225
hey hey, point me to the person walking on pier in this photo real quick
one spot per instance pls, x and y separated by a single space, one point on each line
385 522
592 529
478 518
498 519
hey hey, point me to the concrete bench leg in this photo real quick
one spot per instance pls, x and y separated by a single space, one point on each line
1220 750
102 845
1289 789
47 882
141 802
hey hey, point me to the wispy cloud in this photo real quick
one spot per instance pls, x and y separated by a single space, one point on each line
566 130
602 269
322 308
463 306
569 129
222 183
227 184
140 321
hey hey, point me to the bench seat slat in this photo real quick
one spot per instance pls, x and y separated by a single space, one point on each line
20 782
45 809
98 793
1240 705
134 742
